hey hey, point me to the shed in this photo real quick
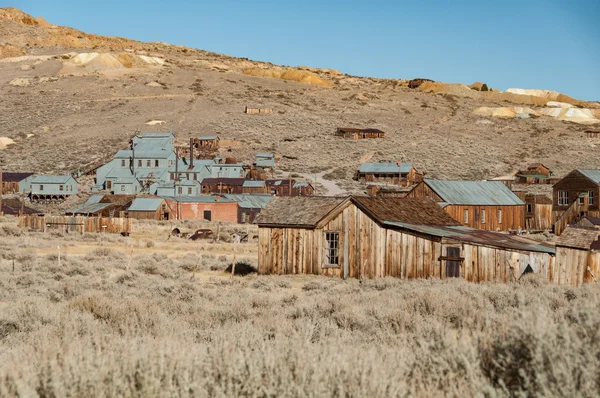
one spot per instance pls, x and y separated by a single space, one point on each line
538 212
149 209
592 133
357 134
366 237
207 142
577 256
15 182
15 207
487 205
281 187
254 187
394 173
265 160
53 187
222 185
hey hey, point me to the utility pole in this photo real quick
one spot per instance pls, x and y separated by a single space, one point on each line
1 213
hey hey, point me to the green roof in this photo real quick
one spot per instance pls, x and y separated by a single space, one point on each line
385 168
593 175
479 193
145 204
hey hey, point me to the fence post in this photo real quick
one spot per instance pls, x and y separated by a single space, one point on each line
58 256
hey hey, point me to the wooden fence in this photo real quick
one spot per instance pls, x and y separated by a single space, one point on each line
76 224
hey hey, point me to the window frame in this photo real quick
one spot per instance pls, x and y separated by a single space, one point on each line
590 198
148 163
499 216
123 163
483 216
122 187
41 187
332 254
465 216
563 198
61 188
529 208
156 163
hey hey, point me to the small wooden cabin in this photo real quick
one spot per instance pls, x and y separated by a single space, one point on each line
535 173
222 185
358 134
393 173
577 256
592 133
14 182
148 209
207 142
366 237
281 187
487 205
255 187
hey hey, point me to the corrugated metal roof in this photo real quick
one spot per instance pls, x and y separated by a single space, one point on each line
253 184
265 162
51 179
155 135
117 172
88 208
123 154
247 201
593 175
145 204
301 184
95 199
12 206
225 181
538 176
480 193
476 236
265 155
199 199
385 168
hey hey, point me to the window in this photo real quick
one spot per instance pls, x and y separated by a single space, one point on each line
123 163
139 163
195 176
332 248
563 198
590 198
164 207
529 208
189 191
499 216
179 190
581 199
61 188
148 163
122 188
483 216
156 163
41 187
466 216
207 215
172 176
243 218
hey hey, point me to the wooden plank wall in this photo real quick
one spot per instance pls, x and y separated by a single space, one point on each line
76 224
541 217
513 217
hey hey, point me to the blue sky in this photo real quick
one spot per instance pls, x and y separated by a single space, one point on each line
553 45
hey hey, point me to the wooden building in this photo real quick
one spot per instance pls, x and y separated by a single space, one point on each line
15 182
538 212
577 256
207 143
588 222
16 207
100 205
255 187
393 173
148 209
592 133
366 237
387 191
204 207
358 134
488 205
576 195
281 187
222 185
52 188
535 173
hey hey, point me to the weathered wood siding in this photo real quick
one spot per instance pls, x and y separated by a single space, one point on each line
422 190
76 224
575 183
540 218
572 266
513 217
371 251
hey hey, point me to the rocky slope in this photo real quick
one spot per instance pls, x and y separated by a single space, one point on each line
71 98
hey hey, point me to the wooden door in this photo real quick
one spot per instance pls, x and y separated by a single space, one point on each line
108 184
452 262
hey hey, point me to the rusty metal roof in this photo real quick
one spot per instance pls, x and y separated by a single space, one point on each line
407 210
478 193
578 237
297 211
475 236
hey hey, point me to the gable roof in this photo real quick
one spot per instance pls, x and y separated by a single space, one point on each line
578 237
51 179
481 193
88 208
8 176
299 211
12 207
145 204
247 201
593 175
385 167
407 210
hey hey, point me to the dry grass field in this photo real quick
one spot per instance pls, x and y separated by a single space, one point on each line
175 324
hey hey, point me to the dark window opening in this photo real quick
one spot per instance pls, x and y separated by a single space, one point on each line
332 255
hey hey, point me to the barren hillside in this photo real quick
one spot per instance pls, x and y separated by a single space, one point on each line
70 98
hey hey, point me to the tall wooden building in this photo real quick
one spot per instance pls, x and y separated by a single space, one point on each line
487 205
575 186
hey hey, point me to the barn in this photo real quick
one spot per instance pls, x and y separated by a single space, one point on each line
367 237
487 205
